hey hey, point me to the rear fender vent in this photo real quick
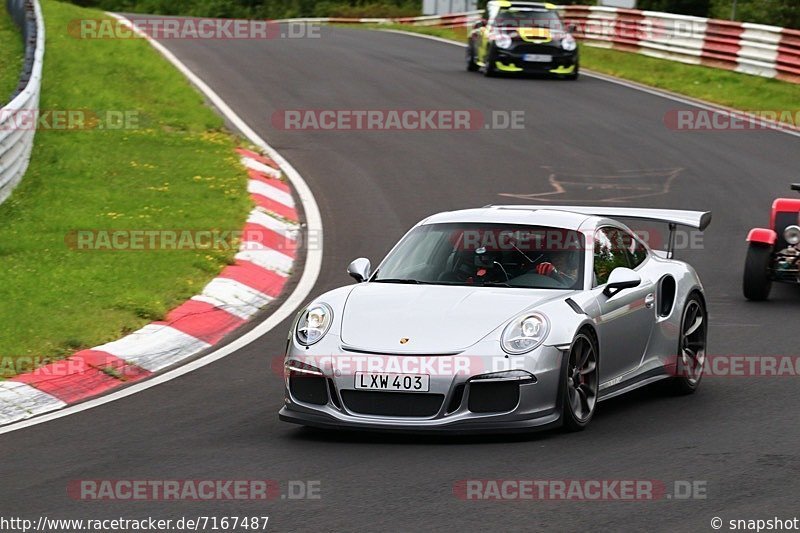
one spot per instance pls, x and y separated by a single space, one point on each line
666 295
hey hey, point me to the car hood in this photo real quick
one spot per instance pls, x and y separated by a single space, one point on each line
436 319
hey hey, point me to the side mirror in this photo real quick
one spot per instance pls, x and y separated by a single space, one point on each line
620 279
796 187
478 25
359 269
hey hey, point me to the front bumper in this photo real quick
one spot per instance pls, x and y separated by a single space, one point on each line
455 403
562 63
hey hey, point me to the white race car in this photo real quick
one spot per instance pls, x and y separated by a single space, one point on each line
501 318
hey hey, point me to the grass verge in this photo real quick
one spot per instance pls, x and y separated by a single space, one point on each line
11 55
171 167
732 89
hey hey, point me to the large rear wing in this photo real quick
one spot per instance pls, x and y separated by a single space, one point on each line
693 219
673 217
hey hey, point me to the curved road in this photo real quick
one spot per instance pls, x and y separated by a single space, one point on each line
739 436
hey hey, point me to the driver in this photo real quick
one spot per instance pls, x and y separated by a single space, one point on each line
562 267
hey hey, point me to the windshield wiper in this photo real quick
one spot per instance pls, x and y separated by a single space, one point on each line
495 284
398 280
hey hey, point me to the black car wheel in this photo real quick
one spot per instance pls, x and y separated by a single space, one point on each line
692 347
757 283
581 382
488 69
471 65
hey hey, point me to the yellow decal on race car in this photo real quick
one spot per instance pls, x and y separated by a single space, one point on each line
535 35
563 70
506 68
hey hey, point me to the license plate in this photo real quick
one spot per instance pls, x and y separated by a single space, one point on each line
537 58
393 382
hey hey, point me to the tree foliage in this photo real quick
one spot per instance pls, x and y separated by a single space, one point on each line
777 12
261 8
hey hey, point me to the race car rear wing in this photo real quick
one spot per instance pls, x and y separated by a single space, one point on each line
673 217
693 219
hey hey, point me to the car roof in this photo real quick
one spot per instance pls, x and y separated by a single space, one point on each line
540 5
523 215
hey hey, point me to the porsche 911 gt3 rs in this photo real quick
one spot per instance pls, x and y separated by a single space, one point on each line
501 318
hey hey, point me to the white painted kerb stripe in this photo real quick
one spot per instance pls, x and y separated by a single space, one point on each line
273 193
154 347
20 401
258 166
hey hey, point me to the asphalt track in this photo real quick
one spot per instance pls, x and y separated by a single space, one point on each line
739 435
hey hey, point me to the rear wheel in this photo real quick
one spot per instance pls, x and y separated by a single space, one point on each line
581 383
692 347
471 65
757 283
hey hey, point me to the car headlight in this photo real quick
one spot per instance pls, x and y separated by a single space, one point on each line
525 333
313 324
792 235
503 40
568 43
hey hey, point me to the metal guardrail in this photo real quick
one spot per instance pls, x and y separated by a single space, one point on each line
757 49
18 118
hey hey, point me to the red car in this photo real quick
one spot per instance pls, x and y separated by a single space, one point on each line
774 254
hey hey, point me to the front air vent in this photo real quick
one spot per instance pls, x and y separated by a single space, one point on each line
412 404
308 388
493 397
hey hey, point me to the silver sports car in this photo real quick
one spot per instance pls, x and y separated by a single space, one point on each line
499 319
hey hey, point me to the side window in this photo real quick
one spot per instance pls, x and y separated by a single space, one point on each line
609 253
636 251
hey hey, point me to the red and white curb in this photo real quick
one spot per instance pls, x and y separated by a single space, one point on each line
257 277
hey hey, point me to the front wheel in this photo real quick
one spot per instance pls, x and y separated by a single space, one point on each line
581 383
471 65
489 69
757 283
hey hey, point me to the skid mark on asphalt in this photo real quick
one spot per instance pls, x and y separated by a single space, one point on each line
624 186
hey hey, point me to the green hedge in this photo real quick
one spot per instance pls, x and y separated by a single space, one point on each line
261 8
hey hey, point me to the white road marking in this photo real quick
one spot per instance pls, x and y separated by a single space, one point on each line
308 279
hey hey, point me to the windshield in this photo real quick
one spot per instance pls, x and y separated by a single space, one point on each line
487 255
528 18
